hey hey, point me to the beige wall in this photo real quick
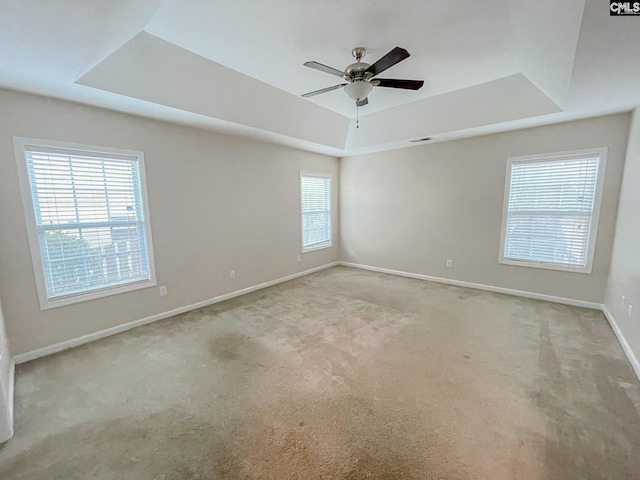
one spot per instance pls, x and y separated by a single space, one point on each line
412 209
624 276
219 203
216 203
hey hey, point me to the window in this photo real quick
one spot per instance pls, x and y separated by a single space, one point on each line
315 189
87 219
551 209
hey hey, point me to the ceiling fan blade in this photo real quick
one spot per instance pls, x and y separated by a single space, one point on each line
323 90
362 103
395 83
389 60
324 68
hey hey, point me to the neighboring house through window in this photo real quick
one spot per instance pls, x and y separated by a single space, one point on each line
315 193
87 219
551 209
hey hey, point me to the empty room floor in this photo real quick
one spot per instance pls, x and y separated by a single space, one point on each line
343 374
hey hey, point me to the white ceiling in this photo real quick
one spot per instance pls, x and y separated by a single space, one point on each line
236 66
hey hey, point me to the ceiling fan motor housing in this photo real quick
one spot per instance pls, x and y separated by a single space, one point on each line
356 70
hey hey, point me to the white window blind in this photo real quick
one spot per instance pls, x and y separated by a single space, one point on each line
316 210
89 219
551 211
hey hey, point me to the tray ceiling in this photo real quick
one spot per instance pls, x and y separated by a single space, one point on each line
237 67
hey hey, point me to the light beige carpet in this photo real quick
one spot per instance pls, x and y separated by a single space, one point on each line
344 374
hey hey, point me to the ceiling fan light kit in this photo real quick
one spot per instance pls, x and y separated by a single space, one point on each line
359 75
358 90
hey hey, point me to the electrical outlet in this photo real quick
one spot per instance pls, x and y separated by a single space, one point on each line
232 274
449 263
629 310
163 290
299 258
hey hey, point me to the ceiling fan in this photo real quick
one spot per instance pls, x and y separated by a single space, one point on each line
360 76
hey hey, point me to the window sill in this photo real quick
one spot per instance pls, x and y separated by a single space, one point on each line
46 304
547 266
313 249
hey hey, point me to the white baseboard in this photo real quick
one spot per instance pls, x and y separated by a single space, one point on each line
479 286
67 344
635 364
58 347
623 341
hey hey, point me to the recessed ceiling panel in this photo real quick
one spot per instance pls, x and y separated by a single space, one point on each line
157 71
606 72
452 44
510 98
546 43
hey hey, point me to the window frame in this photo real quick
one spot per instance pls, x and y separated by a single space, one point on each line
327 176
595 214
20 143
